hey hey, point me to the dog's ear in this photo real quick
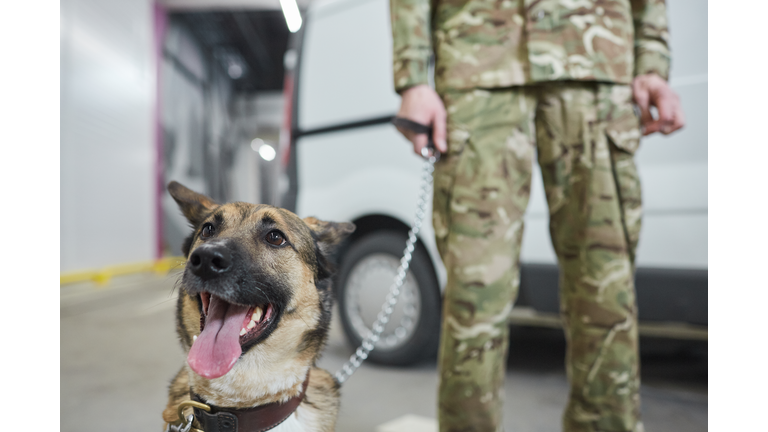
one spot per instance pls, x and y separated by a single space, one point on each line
195 206
329 234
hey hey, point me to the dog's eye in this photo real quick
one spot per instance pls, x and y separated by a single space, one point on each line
276 238
207 231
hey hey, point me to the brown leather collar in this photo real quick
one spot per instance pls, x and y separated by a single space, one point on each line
258 419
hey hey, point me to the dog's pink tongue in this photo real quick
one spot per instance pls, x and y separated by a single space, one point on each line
218 347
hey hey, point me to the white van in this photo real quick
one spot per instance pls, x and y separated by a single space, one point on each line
344 161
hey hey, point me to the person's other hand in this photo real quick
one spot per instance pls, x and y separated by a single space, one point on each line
422 104
651 90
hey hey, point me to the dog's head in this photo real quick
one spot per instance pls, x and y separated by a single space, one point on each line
256 287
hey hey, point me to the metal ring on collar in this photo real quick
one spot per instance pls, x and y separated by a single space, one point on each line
188 421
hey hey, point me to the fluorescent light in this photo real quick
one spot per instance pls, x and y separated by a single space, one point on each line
291 14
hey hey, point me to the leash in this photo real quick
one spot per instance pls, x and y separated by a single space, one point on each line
430 155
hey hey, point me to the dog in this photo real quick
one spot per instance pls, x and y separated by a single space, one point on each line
253 314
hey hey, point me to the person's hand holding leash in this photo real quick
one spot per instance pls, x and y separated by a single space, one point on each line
652 90
422 105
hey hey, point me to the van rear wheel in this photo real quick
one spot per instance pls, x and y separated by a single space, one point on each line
367 272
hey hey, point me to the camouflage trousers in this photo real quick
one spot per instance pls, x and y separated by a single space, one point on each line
584 135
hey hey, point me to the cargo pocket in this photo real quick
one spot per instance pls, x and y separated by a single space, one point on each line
618 111
624 133
444 180
624 136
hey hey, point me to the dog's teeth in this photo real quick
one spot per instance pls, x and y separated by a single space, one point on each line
251 324
194 338
243 332
257 312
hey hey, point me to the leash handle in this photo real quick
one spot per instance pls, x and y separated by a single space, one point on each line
430 150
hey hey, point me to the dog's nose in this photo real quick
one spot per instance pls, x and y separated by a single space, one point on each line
210 261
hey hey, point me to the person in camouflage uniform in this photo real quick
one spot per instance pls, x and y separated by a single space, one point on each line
555 78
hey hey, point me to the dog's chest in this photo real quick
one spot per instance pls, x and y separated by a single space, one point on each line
291 424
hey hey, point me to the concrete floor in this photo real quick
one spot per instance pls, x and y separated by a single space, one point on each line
119 351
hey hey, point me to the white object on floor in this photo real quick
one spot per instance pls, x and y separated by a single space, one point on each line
409 423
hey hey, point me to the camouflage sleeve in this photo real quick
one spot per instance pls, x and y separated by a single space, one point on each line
411 42
651 37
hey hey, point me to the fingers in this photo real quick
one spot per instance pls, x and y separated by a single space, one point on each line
422 105
666 104
439 129
679 119
651 90
415 139
647 122
419 142
642 98
671 117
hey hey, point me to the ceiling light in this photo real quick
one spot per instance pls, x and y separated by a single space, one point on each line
266 151
235 71
291 14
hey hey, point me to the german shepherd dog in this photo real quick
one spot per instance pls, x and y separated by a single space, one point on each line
253 315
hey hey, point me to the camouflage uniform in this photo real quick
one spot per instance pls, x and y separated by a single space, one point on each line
549 78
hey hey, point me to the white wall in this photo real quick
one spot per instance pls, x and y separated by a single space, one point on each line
107 133
183 119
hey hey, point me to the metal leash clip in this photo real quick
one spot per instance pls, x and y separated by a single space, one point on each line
430 150
185 424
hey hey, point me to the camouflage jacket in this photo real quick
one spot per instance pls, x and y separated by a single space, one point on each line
501 43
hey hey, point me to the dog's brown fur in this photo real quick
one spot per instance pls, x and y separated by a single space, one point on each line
297 275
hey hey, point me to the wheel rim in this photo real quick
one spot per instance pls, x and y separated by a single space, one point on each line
367 286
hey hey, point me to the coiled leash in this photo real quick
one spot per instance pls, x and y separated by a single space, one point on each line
430 155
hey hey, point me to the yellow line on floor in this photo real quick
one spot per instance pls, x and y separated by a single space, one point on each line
104 275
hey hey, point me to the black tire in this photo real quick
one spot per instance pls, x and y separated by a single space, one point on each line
422 341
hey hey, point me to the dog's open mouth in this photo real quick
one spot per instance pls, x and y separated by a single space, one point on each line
225 329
